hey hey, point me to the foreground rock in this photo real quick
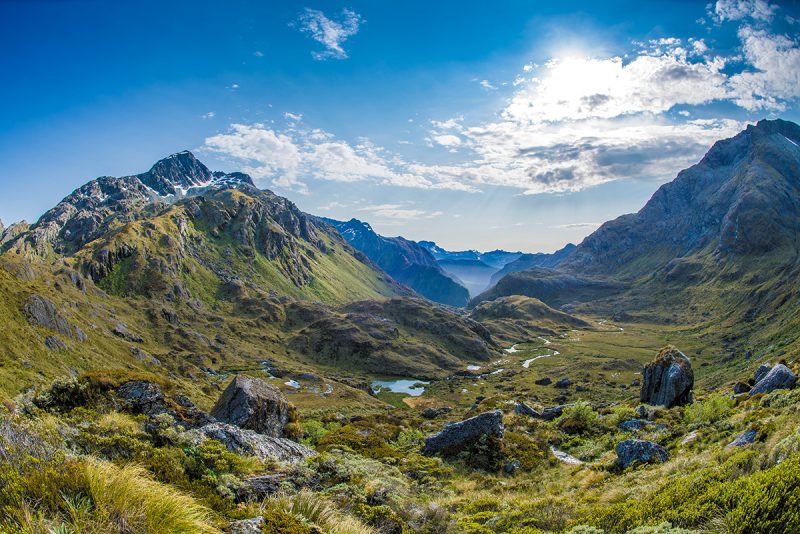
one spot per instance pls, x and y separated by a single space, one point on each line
143 397
456 436
633 451
253 404
667 380
247 526
745 438
250 443
547 414
779 377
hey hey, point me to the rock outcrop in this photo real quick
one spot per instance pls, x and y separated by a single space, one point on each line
42 312
778 377
143 397
745 438
633 451
253 404
668 380
248 442
456 436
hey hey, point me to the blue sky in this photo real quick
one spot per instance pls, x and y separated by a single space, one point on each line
511 124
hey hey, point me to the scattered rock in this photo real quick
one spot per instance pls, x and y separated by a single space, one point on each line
259 487
252 403
779 377
433 413
247 526
54 343
543 381
121 330
741 387
547 414
745 438
80 334
762 371
143 397
144 357
690 437
455 436
668 380
512 466
249 442
563 383
42 312
633 424
633 451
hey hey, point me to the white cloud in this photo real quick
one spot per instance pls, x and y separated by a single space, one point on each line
486 84
209 115
725 10
447 140
296 117
398 211
578 226
774 77
258 53
330 33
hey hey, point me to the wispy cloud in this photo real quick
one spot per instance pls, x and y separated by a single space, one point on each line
569 123
330 33
577 226
399 211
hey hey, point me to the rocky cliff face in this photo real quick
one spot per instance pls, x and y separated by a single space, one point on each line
405 261
87 213
742 198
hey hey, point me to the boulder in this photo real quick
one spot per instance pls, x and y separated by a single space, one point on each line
740 387
259 487
456 436
42 312
246 526
143 397
523 409
251 443
779 377
253 404
563 383
667 380
633 451
54 343
121 330
761 372
546 381
745 438
433 413
633 424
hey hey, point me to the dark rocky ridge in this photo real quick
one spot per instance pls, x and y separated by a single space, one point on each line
405 261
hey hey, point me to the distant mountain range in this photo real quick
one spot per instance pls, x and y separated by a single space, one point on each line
405 261
495 258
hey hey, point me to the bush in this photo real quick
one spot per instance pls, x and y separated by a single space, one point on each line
715 407
577 418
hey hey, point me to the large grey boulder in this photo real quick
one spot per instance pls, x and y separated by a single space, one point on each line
455 436
143 397
633 451
745 438
247 526
762 371
548 414
42 312
252 403
667 380
249 442
779 377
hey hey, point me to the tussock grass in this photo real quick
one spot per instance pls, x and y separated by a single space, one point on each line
127 496
313 509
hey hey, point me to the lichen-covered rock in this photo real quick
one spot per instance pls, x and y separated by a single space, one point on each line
54 343
667 380
745 438
762 371
259 487
523 409
143 397
42 312
779 377
741 387
253 404
456 436
633 451
248 442
246 526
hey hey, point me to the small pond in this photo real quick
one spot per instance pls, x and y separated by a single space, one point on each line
411 387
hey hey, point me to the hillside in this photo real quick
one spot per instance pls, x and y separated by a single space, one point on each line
405 261
718 241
